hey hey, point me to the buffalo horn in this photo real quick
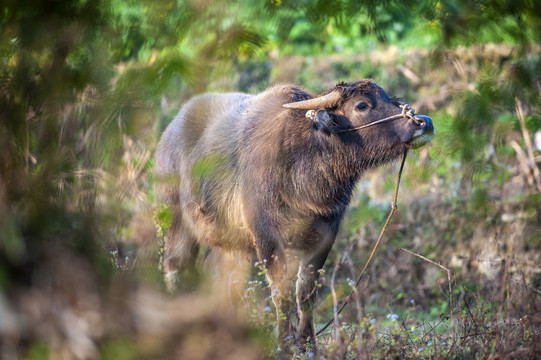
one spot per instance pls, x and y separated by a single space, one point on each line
325 101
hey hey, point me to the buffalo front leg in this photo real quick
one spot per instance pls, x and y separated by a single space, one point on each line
307 277
281 278
280 274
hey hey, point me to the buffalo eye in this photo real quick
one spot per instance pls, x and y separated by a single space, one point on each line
362 106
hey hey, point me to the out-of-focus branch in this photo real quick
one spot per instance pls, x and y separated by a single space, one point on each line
335 305
530 162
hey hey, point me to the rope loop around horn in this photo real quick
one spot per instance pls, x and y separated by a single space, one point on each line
332 98
407 112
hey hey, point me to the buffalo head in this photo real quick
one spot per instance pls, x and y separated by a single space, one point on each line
355 106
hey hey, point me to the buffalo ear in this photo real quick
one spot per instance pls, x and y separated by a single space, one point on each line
323 120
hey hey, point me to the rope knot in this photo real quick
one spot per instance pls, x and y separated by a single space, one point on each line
407 111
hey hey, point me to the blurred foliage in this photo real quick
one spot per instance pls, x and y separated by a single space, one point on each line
87 86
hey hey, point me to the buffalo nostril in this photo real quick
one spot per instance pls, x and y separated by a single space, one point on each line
420 120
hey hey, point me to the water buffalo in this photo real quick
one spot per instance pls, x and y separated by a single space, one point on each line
274 173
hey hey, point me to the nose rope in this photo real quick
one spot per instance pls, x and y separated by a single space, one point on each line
407 112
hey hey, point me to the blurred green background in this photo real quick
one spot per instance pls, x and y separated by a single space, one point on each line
87 87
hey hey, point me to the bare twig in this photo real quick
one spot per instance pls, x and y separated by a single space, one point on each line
335 305
533 289
529 148
449 273
358 305
523 160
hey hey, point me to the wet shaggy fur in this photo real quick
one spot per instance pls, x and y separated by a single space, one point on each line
242 173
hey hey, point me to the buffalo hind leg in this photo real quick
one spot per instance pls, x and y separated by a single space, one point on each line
180 254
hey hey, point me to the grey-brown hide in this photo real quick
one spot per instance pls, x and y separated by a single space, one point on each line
242 173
